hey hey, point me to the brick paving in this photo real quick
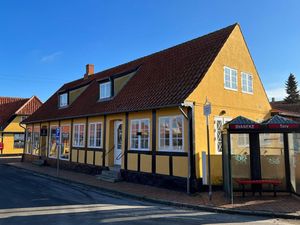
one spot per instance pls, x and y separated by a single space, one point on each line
283 203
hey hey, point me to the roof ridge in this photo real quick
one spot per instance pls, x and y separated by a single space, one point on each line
168 48
157 52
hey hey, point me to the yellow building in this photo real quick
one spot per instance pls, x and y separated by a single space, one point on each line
12 112
145 117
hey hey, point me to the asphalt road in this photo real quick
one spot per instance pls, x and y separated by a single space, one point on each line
26 198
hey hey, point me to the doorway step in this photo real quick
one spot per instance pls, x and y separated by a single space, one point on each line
112 175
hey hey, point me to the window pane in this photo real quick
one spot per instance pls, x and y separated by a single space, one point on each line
63 100
134 136
65 142
52 143
145 134
105 90
98 135
177 133
164 133
18 140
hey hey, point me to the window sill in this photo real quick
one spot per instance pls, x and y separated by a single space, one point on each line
246 92
167 150
230 89
92 147
139 149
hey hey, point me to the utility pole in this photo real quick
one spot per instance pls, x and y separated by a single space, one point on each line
207 112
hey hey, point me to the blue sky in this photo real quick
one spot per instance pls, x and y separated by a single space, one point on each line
44 44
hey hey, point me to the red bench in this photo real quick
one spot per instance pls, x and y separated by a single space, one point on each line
275 183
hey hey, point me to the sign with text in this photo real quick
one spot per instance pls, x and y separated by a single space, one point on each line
57 135
244 126
207 109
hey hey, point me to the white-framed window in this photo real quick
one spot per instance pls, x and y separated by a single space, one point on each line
95 135
140 134
105 90
36 140
65 148
243 140
63 100
230 79
247 83
171 135
218 125
78 135
52 150
28 147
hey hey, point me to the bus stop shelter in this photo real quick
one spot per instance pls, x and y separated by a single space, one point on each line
253 151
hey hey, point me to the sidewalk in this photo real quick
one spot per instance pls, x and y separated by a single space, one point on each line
284 205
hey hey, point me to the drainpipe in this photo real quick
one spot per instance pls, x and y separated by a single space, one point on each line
191 140
21 125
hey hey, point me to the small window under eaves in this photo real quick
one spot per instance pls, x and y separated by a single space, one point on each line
105 90
63 100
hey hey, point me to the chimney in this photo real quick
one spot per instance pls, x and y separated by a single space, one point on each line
273 99
89 71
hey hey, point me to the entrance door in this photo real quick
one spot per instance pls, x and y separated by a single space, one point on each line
118 143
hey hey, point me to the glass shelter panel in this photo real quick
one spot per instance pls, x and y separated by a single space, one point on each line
240 157
294 154
272 159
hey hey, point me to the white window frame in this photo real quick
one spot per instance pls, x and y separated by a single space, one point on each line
84 133
60 141
139 137
105 86
223 120
49 143
28 143
247 83
33 141
230 78
60 100
170 149
95 135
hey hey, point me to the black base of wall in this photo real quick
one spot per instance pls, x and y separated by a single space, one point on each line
66 165
164 181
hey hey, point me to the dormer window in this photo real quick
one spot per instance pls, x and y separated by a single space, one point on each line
63 100
105 90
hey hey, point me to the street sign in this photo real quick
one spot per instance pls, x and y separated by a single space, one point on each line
57 135
207 109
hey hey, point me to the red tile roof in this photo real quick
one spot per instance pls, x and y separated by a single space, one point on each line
164 79
9 107
286 109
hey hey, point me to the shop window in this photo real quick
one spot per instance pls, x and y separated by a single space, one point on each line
65 142
52 143
28 146
36 140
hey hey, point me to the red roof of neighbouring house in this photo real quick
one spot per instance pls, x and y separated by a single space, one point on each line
286 109
163 79
9 107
